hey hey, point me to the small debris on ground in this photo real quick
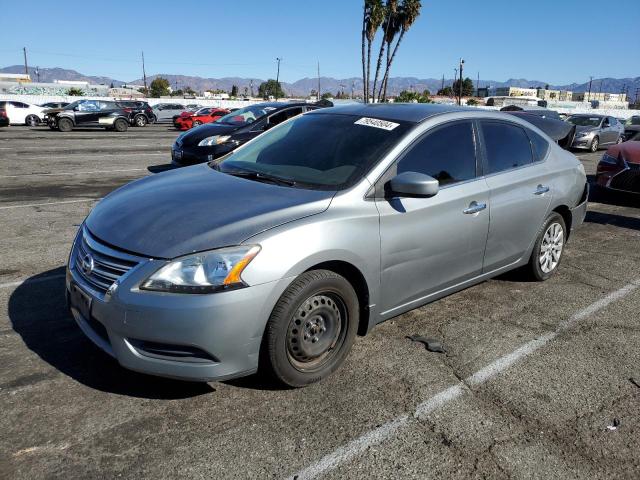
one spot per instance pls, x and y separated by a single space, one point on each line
635 381
431 344
614 425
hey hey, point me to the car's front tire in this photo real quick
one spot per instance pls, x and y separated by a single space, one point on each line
547 251
120 125
32 120
311 329
65 125
595 144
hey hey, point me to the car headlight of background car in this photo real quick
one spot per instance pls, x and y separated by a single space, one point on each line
584 134
205 272
215 140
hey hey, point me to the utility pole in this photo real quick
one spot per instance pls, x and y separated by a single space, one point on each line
318 80
278 77
353 85
460 85
478 85
38 73
442 86
144 75
589 95
600 91
251 85
26 68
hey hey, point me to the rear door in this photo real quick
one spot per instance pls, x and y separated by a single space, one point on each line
17 112
519 192
429 244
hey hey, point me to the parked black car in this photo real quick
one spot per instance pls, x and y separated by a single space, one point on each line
632 128
140 113
54 104
4 119
100 113
213 140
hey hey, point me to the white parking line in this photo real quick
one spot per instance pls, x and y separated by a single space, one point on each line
387 430
29 281
50 203
141 154
71 173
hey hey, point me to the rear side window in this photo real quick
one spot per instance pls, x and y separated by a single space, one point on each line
540 146
447 154
280 117
507 146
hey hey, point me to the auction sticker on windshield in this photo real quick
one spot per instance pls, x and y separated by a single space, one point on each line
377 123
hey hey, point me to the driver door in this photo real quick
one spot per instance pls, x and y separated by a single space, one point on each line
430 244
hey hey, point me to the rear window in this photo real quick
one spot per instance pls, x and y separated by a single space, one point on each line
507 146
540 146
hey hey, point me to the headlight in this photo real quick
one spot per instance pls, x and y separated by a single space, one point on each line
205 272
215 140
584 134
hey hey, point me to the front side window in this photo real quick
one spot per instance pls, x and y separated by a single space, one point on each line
323 150
507 146
447 154
280 117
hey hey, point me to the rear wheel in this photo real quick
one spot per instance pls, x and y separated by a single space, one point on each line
140 120
32 120
311 329
120 125
595 143
547 251
65 125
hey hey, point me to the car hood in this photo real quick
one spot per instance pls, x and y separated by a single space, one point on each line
196 208
195 135
582 129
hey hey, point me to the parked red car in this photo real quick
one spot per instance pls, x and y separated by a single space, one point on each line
204 115
619 168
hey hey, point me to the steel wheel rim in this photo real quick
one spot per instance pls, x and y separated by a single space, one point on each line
31 121
316 331
551 248
140 121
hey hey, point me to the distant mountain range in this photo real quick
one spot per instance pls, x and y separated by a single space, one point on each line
304 86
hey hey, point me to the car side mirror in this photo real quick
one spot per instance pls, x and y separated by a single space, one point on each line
413 184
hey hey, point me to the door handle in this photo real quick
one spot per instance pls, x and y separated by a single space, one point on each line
474 207
541 190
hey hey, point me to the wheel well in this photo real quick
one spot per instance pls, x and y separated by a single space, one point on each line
359 284
565 213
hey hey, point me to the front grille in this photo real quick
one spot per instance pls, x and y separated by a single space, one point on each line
108 265
628 180
633 166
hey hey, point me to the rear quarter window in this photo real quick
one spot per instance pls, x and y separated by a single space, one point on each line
540 146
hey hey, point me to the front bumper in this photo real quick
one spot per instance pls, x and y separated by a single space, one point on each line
579 212
189 337
190 155
582 142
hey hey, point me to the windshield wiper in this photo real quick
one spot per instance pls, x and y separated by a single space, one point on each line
261 177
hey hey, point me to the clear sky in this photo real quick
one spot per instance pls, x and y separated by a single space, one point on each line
556 41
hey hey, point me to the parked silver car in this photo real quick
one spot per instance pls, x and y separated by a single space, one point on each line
276 255
595 131
164 112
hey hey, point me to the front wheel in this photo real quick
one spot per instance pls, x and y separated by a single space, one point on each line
547 251
120 125
32 120
65 125
311 329
595 143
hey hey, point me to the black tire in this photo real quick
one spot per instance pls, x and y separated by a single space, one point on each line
65 125
311 329
32 120
535 269
140 120
595 144
120 125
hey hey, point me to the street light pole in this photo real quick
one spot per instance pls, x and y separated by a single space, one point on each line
589 95
460 84
278 77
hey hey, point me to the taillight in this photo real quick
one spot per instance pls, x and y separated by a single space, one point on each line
3 113
128 110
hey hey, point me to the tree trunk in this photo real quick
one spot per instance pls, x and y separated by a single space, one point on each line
364 70
389 62
368 68
378 65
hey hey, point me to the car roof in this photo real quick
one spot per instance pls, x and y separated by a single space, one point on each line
407 112
599 115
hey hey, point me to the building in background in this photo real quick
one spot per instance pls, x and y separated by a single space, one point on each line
551 95
515 92
15 78
599 97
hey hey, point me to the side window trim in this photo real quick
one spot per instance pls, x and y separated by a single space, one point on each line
391 171
485 159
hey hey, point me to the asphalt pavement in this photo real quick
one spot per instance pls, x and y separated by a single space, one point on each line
539 380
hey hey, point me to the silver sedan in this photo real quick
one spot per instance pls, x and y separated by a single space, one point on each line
277 256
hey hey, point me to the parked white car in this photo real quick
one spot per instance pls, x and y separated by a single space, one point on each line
21 113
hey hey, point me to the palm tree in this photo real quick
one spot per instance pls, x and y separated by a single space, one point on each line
407 15
373 16
390 11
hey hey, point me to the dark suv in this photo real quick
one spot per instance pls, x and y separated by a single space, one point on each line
140 113
99 113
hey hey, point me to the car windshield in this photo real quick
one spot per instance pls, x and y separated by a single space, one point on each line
324 150
73 105
583 121
635 120
245 115
203 111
